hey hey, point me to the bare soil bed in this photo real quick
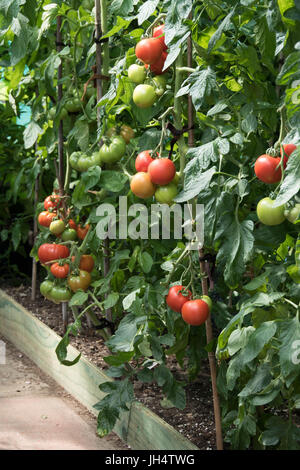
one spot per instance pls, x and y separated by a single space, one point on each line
195 422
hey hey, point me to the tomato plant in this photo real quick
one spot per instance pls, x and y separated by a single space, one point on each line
231 91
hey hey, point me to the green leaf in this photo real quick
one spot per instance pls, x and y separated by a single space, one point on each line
111 300
291 183
258 381
289 352
224 26
79 298
202 84
113 181
118 359
130 298
145 261
195 182
146 9
31 133
106 420
123 339
91 177
235 250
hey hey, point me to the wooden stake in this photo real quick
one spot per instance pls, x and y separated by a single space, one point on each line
208 324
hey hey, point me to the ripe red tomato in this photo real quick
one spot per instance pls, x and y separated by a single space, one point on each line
158 66
265 169
82 231
288 149
45 218
72 224
161 171
141 185
159 31
52 202
143 160
175 299
86 263
268 214
60 270
149 50
52 251
195 312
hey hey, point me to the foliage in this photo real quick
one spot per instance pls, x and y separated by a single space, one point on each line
244 86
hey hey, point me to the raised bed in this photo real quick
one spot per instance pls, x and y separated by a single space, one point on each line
140 428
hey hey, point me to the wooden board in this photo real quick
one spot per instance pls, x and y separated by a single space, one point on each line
140 428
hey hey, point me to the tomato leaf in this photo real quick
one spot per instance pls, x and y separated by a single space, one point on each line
291 183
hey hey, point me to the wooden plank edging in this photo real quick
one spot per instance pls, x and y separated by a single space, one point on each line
140 428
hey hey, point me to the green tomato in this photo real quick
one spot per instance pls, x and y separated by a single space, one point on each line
46 288
73 105
268 214
82 162
90 91
292 215
160 84
144 96
69 235
137 73
207 300
60 294
165 194
113 151
57 227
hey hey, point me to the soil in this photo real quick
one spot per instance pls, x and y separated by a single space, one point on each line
195 422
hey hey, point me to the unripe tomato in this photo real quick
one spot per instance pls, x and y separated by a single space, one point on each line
57 227
159 31
45 218
175 299
265 169
143 160
73 105
292 214
162 171
60 294
52 202
160 84
60 271
79 282
113 150
195 312
136 73
144 96
82 231
46 288
149 50
127 133
141 185
165 194
207 300
69 235
268 214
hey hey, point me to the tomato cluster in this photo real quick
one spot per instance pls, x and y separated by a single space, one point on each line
155 177
152 53
268 169
63 266
194 312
